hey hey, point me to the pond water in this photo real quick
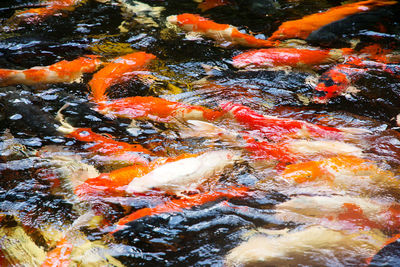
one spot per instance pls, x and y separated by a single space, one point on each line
332 201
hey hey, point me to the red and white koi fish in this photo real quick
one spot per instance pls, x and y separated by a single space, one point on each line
345 212
185 174
223 33
209 4
278 129
120 69
52 8
303 27
177 205
60 72
291 57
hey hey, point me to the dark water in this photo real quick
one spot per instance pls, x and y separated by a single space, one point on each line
202 236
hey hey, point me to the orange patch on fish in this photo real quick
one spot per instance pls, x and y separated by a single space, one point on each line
302 28
60 255
119 69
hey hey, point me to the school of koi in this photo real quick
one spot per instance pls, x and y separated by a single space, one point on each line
358 208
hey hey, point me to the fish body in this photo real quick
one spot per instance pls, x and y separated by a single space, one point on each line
63 71
183 175
210 4
303 27
278 129
60 255
118 70
222 33
177 205
157 109
52 7
277 57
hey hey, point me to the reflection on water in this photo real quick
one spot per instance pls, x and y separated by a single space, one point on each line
285 192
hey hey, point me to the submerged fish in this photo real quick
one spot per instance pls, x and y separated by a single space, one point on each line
291 57
36 15
313 246
223 33
278 129
63 71
177 205
303 27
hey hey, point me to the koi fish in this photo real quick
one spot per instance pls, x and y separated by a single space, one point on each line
185 174
118 70
296 150
115 182
157 109
347 212
63 71
177 205
278 57
344 172
336 81
303 27
313 246
52 7
60 255
210 4
223 33
278 129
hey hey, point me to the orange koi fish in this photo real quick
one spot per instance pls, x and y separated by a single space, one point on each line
278 129
277 57
177 205
302 28
209 4
223 33
60 255
53 7
114 183
60 72
345 172
118 70
156 109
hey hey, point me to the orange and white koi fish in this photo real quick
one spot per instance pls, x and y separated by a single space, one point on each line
345 212
52 7
185 174
223 33
60 255
302 28
291 57
177 205
118 70
278 129
60 72
345 173
313 246
209 4
157 109
115 182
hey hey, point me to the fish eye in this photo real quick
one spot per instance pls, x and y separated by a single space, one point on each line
329 82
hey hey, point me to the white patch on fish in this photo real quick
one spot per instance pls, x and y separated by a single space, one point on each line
185 174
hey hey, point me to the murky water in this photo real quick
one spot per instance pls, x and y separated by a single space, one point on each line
39 165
